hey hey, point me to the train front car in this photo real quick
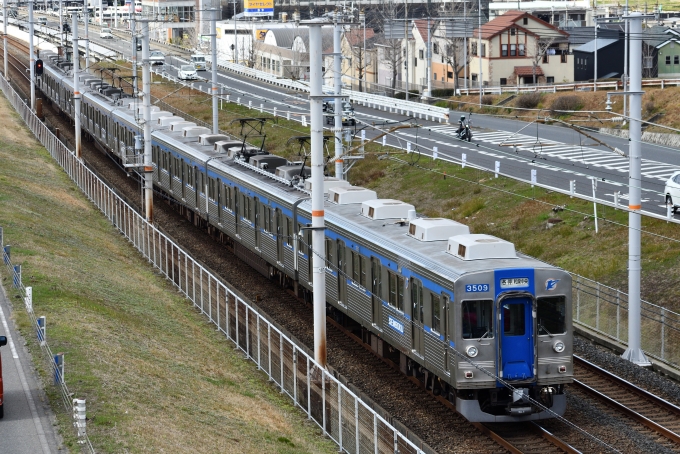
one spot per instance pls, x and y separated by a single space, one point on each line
513 343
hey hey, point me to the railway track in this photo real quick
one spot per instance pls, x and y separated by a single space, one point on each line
643 407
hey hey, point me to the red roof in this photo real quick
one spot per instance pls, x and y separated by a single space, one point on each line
526 71
421 26
356 35
511 19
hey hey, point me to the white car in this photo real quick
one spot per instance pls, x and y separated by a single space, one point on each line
156 57
187 72
106 33
672 191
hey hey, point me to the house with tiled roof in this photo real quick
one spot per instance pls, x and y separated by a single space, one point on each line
518 48
359 63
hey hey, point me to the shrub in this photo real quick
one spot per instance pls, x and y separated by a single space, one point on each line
649 107
565 103
528 100
487 100
443 93
402 95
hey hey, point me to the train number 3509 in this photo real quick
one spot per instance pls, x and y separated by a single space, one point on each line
477 288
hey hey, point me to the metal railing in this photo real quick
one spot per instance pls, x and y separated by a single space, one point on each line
337 410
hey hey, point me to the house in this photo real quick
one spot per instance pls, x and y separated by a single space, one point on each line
360 62
518 48
661 51
608 48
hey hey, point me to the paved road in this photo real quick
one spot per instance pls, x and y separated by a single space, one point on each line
27 427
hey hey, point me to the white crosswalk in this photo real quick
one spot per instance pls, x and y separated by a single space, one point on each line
585 155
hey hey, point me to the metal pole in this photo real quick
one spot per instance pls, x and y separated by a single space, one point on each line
31 53
115 13
61 23
362 81
133 30
213 46
625 65
76 83
337 82
86 19
479 50
595 75
634 352
101 13
4 38
429 59
146 88
406 62
465 62
235 37
318 251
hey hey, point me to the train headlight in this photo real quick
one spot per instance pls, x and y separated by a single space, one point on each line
471 351
558 346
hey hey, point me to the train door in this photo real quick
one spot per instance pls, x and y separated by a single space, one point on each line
516 338
237 211
376 289
445 328
417 333
256 220
279 236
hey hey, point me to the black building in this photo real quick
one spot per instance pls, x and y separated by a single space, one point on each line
610 59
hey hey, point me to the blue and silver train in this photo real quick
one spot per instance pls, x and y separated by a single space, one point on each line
486 327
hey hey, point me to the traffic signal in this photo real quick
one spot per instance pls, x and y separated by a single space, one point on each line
38 67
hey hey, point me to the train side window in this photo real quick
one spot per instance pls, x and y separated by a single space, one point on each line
476 318
551 315
436 312
341 257
358 268
288 238
266 218
396 290
330 253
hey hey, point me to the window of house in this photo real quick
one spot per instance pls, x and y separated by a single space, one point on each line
473 49
449 74
420 54
525 21
513 32
504 50
550 80
435 76
668 59
676 60
504 81
522 52
545 58
435 48
513 50
563 57
483 50
415 62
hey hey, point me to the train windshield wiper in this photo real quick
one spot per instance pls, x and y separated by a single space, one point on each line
541 327
483 336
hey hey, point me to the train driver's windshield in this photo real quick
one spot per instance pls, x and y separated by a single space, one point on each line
477 319
550 315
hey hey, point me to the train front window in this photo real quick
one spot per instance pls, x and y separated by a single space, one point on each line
551 315
476 317
514 320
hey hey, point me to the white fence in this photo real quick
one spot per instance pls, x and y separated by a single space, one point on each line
341 415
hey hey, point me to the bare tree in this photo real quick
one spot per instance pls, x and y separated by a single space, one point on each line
537 51
392 57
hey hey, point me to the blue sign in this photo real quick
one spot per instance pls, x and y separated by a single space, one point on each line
472 288
396 325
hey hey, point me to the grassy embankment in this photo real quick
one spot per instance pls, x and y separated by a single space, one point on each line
156 376
502 207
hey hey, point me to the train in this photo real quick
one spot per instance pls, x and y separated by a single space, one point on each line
486 327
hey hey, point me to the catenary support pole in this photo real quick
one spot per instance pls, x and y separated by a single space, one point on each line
61 23
76 84
634 352
31 53
86 20
428 93
625 64
318 234
479 50
133 30
213 48
146 88
4 37
337 82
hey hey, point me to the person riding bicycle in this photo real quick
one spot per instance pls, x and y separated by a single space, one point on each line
461 125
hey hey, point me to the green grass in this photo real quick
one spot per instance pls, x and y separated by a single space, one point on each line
156 376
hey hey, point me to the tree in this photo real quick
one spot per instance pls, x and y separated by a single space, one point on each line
392 56
537 51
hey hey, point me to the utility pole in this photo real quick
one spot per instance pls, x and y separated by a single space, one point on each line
625 63
634 352
235 37
86 19
318 234
479 50
428 93
337 82
76 83
133 30
146 94
61 23
4 36
213 48
595 53
31 53
406 62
